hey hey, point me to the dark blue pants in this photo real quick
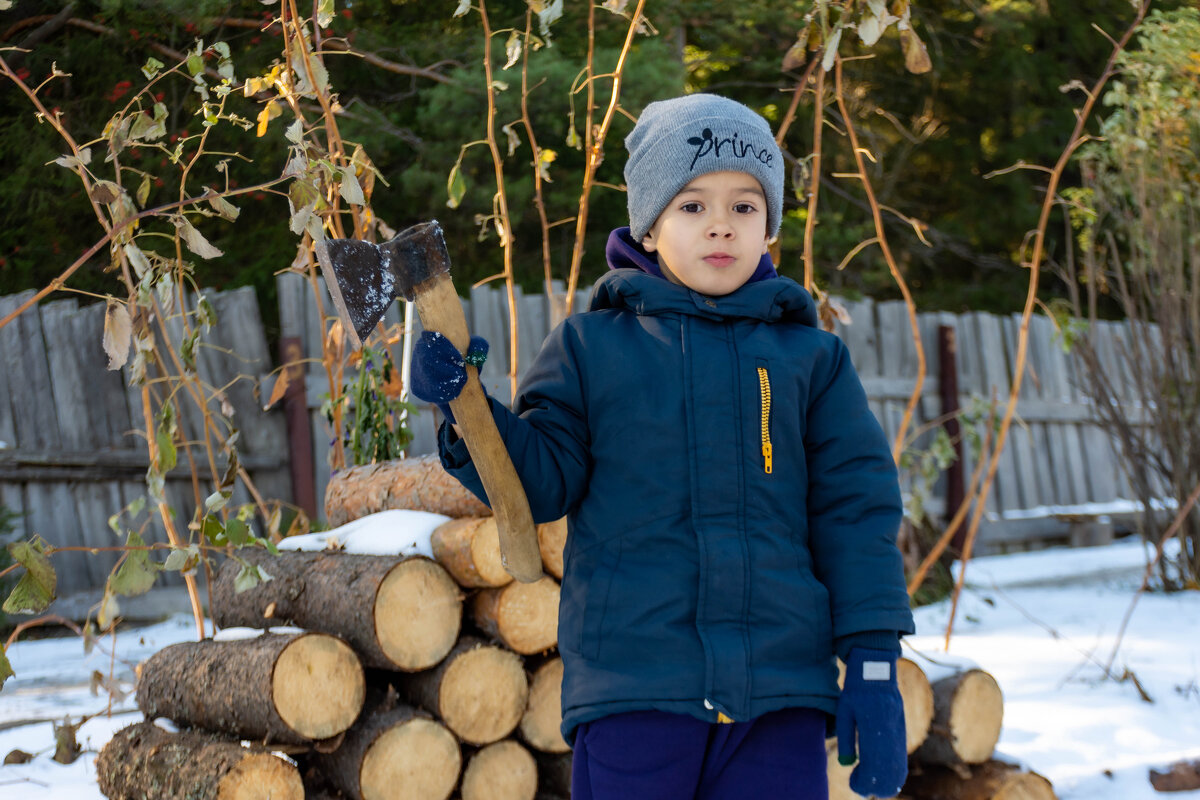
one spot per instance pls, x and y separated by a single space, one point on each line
653 755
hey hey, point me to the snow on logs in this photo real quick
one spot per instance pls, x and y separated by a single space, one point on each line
398 614
143 760
290 689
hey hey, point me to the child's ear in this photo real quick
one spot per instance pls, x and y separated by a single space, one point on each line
648 243
766 245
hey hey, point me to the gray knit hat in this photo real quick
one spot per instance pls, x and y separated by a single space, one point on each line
678 140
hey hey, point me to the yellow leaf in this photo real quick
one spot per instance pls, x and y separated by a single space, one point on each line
270 111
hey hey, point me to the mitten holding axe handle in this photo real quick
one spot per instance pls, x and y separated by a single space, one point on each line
440 310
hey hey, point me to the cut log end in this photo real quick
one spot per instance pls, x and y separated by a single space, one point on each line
552 539
145 761
418 613
522 615
261 688
918 702
469 549
968 712
501 771
976 716
541 723
483 694
318 709
261 776
418 760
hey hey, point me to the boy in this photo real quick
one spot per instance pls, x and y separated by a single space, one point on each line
732 503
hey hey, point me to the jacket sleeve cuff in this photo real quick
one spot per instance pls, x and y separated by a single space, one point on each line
868 640
452 448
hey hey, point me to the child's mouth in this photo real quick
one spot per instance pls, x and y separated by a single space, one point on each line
719 259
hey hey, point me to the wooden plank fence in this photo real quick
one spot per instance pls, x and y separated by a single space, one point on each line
73 453
1056 463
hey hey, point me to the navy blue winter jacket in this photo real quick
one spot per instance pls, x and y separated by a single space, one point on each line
732 503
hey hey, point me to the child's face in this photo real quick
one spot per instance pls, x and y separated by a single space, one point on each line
711 236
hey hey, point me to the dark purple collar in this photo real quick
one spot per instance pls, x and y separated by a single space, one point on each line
623 252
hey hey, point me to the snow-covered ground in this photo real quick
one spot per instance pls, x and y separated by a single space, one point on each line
1042 623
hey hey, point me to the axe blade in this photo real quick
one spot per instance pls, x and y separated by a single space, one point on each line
364 278
360 281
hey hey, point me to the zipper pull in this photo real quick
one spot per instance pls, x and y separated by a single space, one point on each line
766 451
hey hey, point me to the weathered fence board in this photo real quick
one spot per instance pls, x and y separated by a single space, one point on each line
74 450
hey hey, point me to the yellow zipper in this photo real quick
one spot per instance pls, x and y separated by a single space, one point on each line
764 384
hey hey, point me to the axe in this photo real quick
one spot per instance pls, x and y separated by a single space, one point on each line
364 278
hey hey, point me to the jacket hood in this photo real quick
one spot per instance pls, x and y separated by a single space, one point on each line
635 282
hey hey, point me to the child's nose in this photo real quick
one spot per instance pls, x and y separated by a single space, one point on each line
720 228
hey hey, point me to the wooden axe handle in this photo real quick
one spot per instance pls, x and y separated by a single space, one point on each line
441 311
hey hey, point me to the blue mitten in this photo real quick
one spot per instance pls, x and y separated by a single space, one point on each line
871 706
438 371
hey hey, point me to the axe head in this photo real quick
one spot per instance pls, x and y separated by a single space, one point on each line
364 278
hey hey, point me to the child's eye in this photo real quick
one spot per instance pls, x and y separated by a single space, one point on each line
690 208
745 208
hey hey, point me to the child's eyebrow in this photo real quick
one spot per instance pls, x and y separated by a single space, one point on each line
754 190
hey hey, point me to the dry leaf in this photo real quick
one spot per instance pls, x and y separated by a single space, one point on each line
195 240
118 334
916 57
797 54
393 388
280 389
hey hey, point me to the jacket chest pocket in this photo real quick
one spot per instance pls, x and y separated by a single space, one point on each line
764 408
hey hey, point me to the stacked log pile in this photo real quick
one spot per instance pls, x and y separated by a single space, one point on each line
416 677
953 715
404 677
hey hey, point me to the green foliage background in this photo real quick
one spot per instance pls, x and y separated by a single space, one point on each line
994 97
